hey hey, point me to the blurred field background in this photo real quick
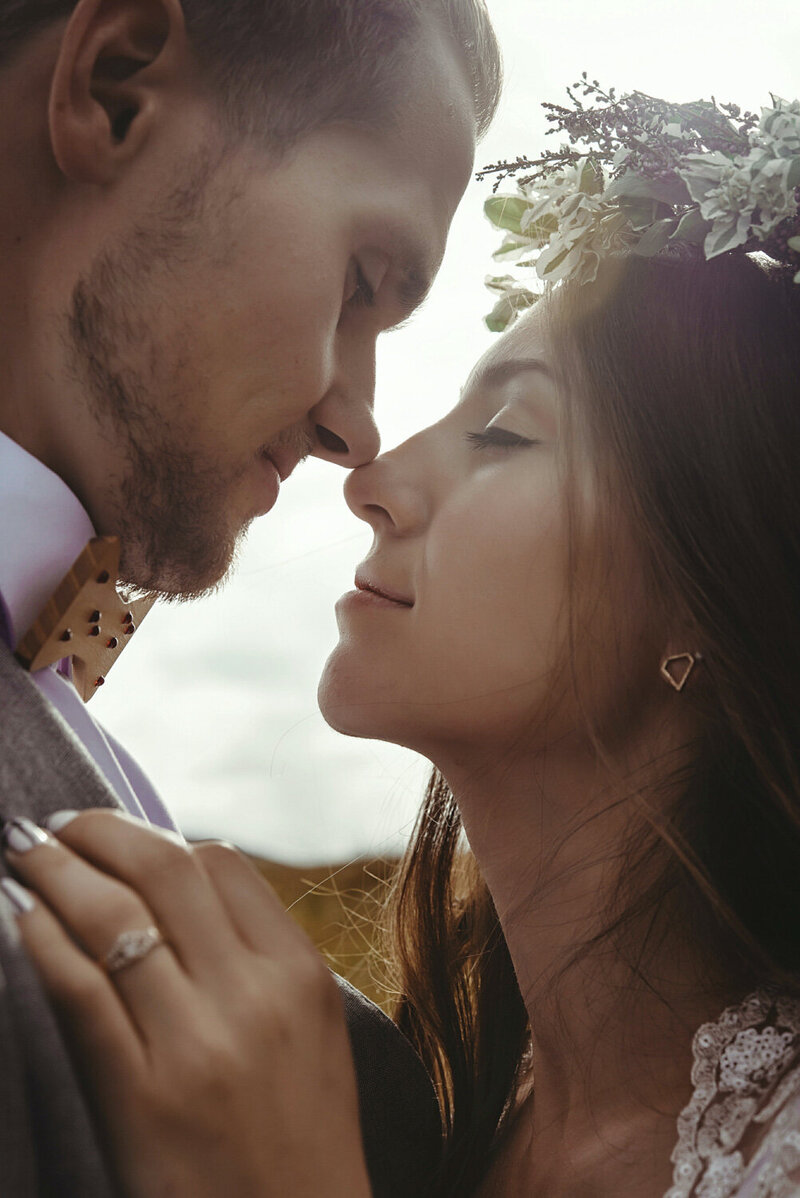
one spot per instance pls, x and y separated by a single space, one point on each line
339 908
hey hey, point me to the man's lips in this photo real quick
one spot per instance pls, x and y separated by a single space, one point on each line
268 488
276 464
284 460
365 582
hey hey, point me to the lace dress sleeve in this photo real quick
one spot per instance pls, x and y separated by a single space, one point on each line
746 1078
774 1171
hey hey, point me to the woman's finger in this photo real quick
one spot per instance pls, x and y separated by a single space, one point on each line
164 872
105 1039
95 910
252 905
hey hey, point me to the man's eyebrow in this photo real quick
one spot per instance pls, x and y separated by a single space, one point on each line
498 373
413 286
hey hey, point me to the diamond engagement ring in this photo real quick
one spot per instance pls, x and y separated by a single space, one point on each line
130 947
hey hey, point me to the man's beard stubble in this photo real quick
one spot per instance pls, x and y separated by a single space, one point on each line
169 502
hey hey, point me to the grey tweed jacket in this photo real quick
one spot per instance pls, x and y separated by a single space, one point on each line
48 1148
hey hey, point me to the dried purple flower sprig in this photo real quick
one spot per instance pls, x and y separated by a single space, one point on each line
635 130
641 175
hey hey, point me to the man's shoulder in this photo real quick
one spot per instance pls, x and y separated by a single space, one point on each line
43 766
27 716
400 1117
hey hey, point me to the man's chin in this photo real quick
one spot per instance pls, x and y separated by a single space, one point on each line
174 579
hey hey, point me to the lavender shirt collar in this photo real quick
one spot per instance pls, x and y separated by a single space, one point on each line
43 528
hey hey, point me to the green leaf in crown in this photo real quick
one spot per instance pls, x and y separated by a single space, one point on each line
640 175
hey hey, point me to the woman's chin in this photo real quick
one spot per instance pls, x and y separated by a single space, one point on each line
340 708
348 705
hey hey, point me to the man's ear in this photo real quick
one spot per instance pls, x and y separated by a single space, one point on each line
116 61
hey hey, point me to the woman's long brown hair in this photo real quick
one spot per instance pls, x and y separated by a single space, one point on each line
689 382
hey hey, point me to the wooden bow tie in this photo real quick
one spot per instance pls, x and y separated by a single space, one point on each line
85 619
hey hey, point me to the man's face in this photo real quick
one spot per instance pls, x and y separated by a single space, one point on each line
226 327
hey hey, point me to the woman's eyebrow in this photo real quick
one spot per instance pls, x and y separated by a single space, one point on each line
499 373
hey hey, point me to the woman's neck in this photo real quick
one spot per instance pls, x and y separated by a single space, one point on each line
612 1046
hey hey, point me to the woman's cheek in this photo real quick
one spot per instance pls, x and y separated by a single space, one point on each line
491 626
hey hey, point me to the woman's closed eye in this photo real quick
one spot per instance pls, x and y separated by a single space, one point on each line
494 437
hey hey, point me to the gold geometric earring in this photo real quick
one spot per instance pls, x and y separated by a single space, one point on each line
676 669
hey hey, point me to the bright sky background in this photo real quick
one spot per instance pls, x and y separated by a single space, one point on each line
217 700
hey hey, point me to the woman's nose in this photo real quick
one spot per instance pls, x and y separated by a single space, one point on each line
389 494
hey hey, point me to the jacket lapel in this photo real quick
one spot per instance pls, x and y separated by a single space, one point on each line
43 765
47 1142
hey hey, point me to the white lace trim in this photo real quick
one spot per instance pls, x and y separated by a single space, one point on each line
746 1071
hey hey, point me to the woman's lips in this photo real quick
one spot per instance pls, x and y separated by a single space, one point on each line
371 589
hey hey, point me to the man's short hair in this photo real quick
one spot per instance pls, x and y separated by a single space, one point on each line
281 68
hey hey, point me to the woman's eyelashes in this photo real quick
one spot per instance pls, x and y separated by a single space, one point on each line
495 437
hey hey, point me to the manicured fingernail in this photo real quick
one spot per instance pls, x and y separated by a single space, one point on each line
59 820
20 898
22 834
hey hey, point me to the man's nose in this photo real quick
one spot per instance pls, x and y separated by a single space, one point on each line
343 422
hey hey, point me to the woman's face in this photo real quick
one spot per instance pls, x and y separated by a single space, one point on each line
452 639
469 552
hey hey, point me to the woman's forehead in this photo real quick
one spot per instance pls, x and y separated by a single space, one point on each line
525 346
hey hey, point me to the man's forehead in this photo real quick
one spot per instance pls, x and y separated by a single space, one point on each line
434 124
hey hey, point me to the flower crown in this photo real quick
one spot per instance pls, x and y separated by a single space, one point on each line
642 176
